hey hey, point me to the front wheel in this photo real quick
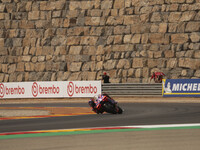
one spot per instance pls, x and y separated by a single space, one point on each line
110 108
120 111
113 109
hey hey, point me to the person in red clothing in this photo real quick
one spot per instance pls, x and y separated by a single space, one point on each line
157 77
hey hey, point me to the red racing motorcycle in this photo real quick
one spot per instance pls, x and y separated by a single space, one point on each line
104 103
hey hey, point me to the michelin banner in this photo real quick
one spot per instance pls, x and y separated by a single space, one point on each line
181 87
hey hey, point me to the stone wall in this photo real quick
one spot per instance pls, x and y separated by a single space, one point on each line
79 39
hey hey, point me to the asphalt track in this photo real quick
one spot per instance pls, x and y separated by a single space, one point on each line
135 114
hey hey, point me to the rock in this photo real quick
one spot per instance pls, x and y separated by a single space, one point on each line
110 64
197 74
74 76
133 80
192 27
26 58
118 4
159 38
151 63
162 27
123 63
20 67
136 38
169 54
156 17
76 40
75 66
29 67
174 16
75 50
4 68
13 77
177 1
138 73
1 77
20 77
195 37
131 19
197 54
3 51
73 40
62 76
188 16
179 38
34 15
172 63
93 21
138 62
127 38
106 4
40 67
11 68
189 63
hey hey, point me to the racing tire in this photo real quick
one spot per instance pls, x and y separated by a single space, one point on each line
120 111
110 108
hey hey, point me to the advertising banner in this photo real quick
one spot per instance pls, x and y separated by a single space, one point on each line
181 88
48 89
82 88
15 89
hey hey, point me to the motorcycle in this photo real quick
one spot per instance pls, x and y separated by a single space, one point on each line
104 103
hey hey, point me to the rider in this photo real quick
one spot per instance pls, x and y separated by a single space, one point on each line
97 101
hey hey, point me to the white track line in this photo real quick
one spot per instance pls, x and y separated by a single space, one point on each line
164 126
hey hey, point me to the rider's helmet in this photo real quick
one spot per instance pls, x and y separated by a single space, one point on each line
95 97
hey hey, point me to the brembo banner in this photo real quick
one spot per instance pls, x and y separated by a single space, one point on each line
56 89
82 88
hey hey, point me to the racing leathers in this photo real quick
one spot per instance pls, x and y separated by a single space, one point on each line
96 103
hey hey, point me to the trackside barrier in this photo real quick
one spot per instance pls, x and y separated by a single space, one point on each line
132 89
54 89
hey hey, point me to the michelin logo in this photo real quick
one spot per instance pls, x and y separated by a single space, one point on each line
168 88
182 87
186 87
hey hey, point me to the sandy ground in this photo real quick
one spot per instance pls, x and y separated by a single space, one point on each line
41 111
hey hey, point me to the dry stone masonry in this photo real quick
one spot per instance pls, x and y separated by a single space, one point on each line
49 40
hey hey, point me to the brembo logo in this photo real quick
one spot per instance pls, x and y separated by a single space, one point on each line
4 90
44 90
73 88
70 89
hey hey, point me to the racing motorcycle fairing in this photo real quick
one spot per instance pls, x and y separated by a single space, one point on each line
104 103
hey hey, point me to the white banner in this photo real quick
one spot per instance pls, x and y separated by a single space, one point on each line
59 89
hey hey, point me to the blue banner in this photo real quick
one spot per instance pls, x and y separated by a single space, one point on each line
181 87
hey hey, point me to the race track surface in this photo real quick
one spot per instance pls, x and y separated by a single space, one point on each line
134 114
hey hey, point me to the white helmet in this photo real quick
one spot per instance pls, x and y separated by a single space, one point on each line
95 97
